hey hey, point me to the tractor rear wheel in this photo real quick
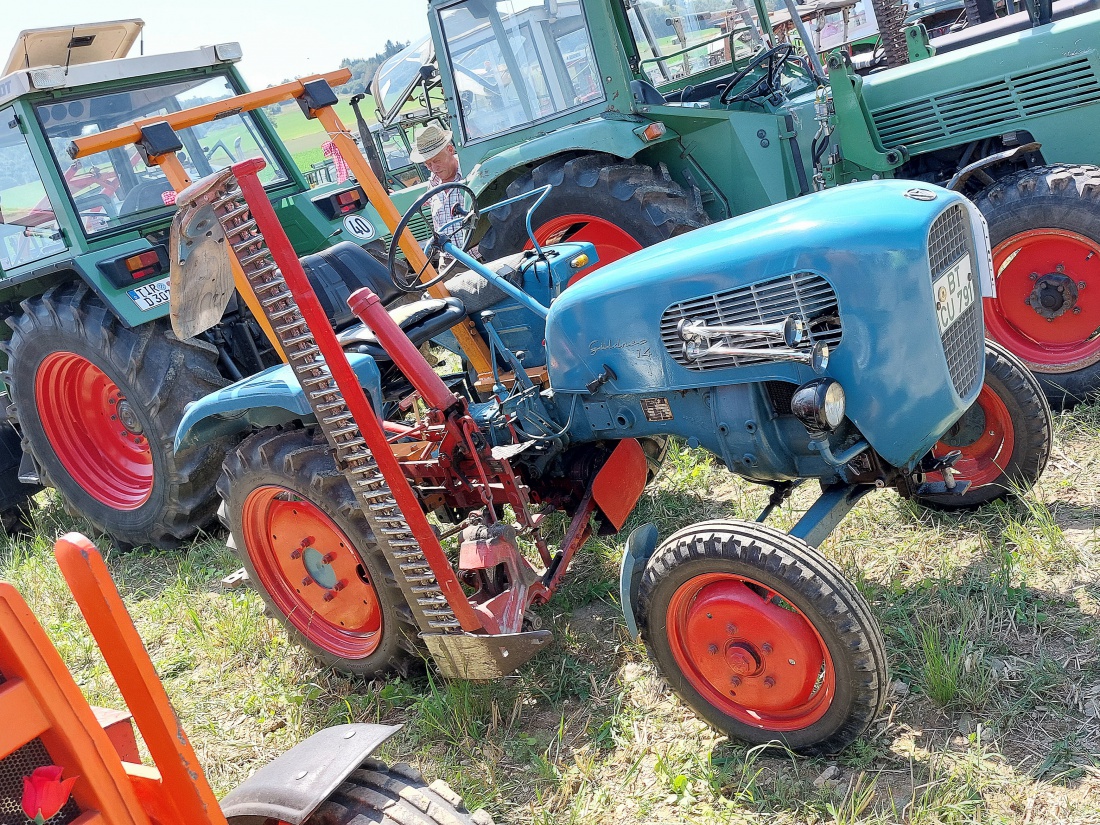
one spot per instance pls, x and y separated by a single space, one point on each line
98 405
762 636
619 205
1005 437
394 795
1044 224
298 530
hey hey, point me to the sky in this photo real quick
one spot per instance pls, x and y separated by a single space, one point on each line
280 39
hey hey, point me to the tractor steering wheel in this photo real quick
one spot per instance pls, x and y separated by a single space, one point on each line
462 203
776 58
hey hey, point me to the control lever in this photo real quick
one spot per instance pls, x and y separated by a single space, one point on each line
944 464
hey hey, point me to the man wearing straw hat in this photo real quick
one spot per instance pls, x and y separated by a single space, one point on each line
435 150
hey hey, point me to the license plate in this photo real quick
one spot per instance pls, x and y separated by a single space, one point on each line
954 292
152 295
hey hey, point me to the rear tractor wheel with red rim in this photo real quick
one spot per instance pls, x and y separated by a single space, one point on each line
620 206
98 404
1005 437
1044 225
309 552
762 636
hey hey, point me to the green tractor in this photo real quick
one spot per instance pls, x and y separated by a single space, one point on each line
94 381
652 119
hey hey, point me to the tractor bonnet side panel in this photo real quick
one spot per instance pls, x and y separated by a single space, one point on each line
862 249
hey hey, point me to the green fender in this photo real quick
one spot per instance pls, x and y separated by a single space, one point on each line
622 138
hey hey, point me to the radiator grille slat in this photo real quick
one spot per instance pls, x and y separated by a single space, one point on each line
1025 94
949 239
803 294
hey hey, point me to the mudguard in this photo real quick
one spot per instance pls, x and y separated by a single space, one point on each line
640 545
298 782
271 397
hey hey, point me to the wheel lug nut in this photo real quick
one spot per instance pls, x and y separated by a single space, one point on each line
296 553
1034 276
329 596
340 585
307 581
1077 310
1060 268
735 681
307 541
328 558
769 681
731 628
1081 284
767 648
713 649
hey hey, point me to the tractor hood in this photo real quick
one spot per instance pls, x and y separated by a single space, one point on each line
858 263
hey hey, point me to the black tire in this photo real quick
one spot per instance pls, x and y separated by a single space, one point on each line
802 578
300 463
641 201
15 496
1060 198
1011 402
394 795
156 374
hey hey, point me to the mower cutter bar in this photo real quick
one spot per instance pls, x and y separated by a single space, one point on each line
304 333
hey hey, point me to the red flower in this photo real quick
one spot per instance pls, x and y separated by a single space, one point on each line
45 793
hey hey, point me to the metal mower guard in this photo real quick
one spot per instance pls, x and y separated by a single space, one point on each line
201 280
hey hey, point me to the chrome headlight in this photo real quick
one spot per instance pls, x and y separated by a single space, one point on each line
820 405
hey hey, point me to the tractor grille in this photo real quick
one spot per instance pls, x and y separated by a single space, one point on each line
420 228
804 294
964 342
13 768
1026 93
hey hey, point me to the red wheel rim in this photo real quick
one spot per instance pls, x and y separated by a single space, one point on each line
312 572
985 437
611 241
94 431
1068 341
750 653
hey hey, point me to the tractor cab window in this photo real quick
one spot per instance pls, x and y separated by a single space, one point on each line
516 62
394 147
28 226
692 36
115 188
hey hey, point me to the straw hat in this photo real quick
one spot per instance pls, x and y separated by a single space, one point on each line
430 142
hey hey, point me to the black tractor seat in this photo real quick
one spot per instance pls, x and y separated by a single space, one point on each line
337 272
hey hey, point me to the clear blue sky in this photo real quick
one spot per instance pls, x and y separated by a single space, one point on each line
280 38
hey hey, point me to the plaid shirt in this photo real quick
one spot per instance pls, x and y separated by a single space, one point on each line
443 205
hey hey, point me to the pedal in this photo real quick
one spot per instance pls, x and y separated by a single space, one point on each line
940 488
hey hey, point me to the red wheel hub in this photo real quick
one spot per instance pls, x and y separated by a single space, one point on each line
94 431
1045 310
985 437
611 241
312 572
750 653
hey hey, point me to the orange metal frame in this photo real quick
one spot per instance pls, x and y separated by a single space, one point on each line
39 699
468 338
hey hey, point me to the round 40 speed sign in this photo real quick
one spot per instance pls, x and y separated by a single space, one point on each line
359 226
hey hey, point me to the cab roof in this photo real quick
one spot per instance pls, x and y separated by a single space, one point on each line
73 45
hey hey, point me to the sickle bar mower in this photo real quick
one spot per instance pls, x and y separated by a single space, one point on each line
477 637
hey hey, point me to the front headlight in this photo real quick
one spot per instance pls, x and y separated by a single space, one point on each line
820 405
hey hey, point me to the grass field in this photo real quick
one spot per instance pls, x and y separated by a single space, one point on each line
303 137
992 624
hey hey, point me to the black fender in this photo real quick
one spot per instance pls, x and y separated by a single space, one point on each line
294 785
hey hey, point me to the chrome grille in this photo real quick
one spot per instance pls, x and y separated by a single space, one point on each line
13 767
803 294
964 341
1026 93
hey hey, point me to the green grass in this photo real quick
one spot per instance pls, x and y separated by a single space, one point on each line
991 621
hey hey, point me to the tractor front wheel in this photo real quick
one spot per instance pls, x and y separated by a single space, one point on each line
394 795
308 550
1005 437
98 405
762 636
1044 224
619 206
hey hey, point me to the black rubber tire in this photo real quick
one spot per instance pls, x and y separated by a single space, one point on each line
644 202
158 374
15 496
394 795
1059 196
301 461
802 577
1032 430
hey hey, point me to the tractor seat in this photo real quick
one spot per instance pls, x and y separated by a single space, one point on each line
420 320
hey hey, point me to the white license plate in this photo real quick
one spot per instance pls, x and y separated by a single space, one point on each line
954 292
152 295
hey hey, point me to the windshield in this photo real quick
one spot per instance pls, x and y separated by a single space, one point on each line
516 62
28 228
683 38
115 188
396 78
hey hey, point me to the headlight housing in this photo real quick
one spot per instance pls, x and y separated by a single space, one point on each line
820 405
